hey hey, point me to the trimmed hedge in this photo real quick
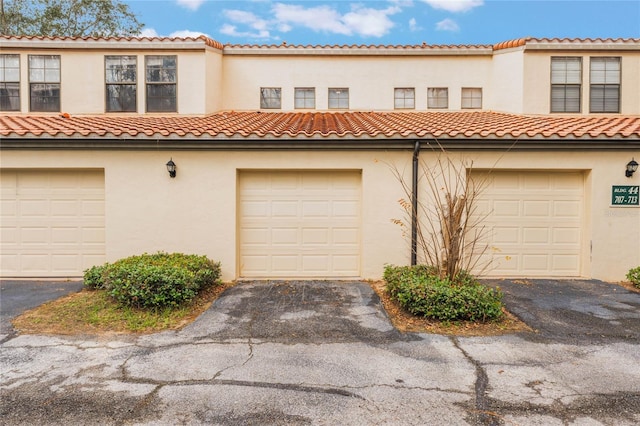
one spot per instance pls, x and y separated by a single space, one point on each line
422 292
154 281
634 276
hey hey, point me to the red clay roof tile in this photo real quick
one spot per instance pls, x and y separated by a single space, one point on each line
301 125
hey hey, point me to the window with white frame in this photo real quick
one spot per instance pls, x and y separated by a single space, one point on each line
438 97
471 98
404 98
604 82
161 78
44 83
339 98
9 82
566 84
270 97
120 80
305 98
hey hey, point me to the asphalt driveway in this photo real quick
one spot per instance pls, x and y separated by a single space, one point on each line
574 311
17 296
324 353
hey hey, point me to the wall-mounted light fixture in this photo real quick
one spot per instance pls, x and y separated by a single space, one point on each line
632 166
171 168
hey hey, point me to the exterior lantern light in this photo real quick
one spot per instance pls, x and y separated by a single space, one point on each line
632 166
171 168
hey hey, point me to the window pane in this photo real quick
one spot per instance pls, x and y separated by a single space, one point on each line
404 98
120 69
10 96
36 75
161 69
270 97
36 61
9 68
605 98
566 70
161 98
605 70
437 97
121 98
45 97
305 98
339 98
471 97
565 98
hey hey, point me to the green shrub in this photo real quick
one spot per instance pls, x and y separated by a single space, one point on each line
422 292
94 277
155 280
634 276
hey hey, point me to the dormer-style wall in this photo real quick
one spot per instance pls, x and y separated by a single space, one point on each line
173 76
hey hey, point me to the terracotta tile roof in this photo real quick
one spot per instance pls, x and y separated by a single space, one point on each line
324 125
284 47
207 41
566 41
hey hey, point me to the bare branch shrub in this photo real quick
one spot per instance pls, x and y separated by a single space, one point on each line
451 236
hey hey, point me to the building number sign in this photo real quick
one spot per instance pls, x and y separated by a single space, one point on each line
624 195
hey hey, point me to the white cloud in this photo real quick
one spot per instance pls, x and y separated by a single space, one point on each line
319 18
247 18
148 32
360 20
454 5
231 30
413 25
447 25
190 4
370 22
188 33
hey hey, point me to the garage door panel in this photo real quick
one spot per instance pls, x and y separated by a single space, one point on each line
307 226
534 223
56 224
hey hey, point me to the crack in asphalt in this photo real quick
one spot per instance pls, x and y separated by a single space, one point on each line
485 417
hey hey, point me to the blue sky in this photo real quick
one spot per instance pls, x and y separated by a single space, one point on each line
387 22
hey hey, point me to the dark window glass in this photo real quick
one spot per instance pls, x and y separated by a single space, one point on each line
120 78
161 76
9 96
45 97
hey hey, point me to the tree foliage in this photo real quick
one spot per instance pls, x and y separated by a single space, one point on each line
72 18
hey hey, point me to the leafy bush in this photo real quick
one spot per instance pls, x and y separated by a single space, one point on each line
94 277
154 280
634 276
422 292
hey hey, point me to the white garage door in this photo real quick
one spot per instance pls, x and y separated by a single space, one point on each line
299 224
534 223
52 222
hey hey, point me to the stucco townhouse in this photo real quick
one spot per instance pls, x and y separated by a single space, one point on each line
278 160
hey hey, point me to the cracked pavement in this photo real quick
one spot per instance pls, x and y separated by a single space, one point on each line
319 353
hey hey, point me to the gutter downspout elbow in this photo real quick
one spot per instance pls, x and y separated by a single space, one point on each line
414 205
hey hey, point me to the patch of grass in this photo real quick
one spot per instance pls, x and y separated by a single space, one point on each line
95 312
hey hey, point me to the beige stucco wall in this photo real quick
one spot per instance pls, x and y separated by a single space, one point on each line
371 80
507 75
82 80
196 212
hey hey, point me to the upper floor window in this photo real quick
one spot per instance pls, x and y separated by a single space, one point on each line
566 84
605 85
270 97
438 97
338 98
9 82
471 97
161 78
44 83
120 80
404 98
305 98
